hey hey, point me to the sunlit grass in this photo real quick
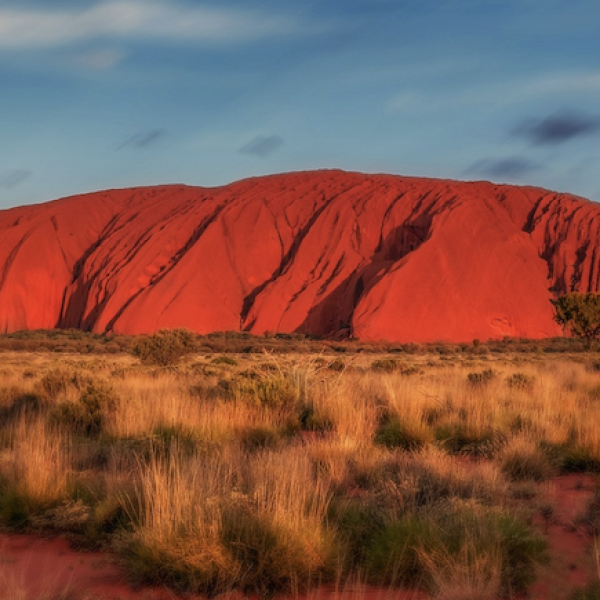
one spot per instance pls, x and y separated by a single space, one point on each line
275 474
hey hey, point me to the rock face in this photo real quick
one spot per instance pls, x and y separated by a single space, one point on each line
328 253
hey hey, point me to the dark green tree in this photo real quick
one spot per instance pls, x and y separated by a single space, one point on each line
580 314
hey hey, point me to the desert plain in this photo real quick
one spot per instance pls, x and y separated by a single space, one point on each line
291 467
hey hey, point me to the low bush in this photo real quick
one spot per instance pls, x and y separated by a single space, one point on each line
420 548
311 419
17 403
572 457
461 438
521 459
393 433
482 377
270 390
224 360
14 507
385 365
89 413
274 556
392 554
56 382
258 438
589 592
337 365
165 348
575 458
356 521
520 381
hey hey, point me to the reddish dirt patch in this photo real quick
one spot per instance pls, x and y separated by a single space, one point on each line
569 540
33 568
362 593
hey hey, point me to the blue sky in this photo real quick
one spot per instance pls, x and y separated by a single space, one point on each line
115 93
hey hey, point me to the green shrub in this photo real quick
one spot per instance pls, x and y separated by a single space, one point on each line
385 365
460 438
164 348
356 521
337 365
17 403
392 554
522 460
520 381
578 459
87 416
224 360
274 558
590 592
526 467
56 382
165 436
107 517
311 420
68 516
258 438
14 508
408 550
571 457
481 378
211 571
392 433
270 389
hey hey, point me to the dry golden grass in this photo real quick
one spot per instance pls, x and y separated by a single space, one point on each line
179 520
468 575
276 473
38 462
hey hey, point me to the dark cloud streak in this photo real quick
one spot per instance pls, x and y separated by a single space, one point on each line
13 178
557 128
262 146
143 139
512 167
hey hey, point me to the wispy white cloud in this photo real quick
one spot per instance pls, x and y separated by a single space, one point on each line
421 71
43 28
98 59
511 91
402 101
570 82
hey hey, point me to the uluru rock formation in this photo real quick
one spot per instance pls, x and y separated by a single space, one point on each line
327 253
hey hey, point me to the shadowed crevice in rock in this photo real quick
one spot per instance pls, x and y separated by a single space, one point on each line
193 239
285 263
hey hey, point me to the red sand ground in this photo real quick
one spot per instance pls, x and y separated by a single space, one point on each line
571 565
326 252
32 566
